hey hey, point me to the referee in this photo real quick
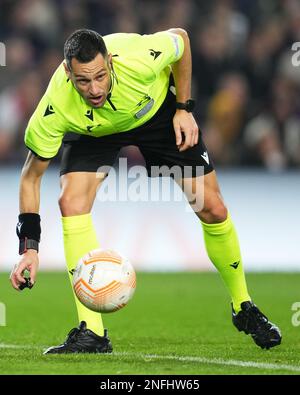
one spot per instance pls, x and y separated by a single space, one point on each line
110 92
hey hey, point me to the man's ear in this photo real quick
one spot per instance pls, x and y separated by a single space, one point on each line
109 59
68 72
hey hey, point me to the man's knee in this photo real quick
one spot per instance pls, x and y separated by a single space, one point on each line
73 205
214 211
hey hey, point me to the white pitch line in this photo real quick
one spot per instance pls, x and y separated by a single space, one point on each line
20 346
216 361
209 361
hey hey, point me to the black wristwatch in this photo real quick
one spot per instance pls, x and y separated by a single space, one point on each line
188 106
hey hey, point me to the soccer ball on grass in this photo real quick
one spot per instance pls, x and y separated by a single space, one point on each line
104 281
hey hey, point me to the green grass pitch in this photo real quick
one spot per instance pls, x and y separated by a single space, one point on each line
177 323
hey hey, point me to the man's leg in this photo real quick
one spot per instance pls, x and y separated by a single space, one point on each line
78 191
223 249
220 237
76 201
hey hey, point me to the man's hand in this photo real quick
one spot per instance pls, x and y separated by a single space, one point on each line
185 123
29 261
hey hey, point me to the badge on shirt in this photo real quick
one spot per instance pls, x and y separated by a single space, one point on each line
148 103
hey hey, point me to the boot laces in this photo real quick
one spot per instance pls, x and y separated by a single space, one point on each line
72 336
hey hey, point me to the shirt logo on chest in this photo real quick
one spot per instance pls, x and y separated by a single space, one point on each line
89 114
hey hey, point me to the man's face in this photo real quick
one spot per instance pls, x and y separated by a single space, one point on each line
92 80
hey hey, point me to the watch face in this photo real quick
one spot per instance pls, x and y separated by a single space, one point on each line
190 104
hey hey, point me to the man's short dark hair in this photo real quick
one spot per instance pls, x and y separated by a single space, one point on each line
84 45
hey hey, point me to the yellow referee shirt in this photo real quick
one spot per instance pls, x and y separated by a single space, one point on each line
142 68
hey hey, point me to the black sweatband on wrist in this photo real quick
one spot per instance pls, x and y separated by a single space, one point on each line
29 226
29 232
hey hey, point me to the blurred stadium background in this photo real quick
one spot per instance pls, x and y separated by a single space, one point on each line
248 108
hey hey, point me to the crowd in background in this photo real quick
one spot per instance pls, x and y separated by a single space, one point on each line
244 82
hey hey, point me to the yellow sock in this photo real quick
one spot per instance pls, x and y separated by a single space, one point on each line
223 249
79 238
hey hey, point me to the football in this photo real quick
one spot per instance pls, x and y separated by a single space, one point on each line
104 281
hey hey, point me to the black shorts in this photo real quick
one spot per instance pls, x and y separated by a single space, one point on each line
155 139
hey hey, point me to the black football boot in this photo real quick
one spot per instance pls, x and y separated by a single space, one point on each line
82 340
252 321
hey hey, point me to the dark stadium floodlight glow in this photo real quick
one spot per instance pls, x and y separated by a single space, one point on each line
2 54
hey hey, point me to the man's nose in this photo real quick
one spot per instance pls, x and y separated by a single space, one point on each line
94 88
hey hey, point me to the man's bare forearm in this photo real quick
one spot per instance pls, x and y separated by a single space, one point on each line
182 69
32 172
29 196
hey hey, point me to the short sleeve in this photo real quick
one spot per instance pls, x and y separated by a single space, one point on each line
45 130
163 49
